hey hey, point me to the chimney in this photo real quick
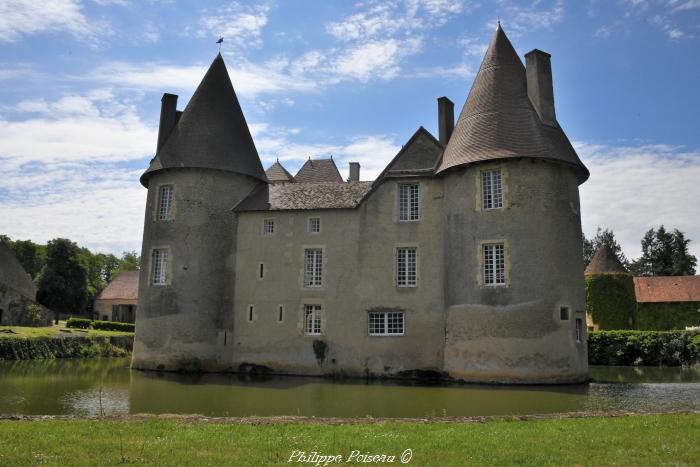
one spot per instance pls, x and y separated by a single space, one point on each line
539 85
168 118
446 119
354 172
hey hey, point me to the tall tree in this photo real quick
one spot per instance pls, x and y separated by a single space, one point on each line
664 253
607 237
63 280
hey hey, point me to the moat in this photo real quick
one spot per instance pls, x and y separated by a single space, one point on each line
81 387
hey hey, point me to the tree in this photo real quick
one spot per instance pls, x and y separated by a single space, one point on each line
602 237
664 253
130 261
63 279
29 254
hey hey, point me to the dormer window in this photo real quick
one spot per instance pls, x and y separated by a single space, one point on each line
491 189
165 203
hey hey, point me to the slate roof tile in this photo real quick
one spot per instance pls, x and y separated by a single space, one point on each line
319 170
123 287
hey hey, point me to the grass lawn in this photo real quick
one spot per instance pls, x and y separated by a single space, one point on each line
55 330
626 440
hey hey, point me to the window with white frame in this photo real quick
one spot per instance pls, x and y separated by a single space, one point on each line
491 189
406 267
494 264
312 320
385 323
579 330
409 202
314 224
159 266
165 202
268 226
313 267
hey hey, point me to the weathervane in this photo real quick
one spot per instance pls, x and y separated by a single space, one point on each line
221 39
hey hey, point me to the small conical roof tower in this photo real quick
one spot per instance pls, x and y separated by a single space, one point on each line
498 121
278 174
605 262
211 133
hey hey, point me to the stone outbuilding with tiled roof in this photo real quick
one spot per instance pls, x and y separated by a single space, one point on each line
119 299
462 259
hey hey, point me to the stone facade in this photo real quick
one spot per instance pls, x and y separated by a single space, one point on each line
416 273
18 293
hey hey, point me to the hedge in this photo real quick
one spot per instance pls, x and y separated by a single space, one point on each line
671 348
83 323
610 300
20 348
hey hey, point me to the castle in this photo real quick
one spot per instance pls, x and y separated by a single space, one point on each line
462 259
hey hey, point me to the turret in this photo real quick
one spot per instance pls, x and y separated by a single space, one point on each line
206 164
513 281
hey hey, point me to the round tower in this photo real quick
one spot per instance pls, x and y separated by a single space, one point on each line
610 299
206 163
514 270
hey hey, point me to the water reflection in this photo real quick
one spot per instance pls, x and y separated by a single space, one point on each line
87 387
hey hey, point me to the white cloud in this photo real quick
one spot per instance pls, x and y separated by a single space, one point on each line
26 17
681 5
518 19
374 59
239 24
634 188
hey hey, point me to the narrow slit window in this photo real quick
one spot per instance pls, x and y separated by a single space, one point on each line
409 202
261 272
251 313
165 203
160 266
491 189
280 313
314 225
406 267
313 267
494 270
579 330
385 323
312 320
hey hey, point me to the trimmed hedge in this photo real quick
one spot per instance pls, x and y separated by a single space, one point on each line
78 323
610 300
19 348
671 348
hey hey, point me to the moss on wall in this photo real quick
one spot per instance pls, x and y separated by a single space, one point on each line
672 348
610 301
667 316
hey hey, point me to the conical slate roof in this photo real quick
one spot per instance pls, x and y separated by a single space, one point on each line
212 132
317 171
278 174
498 120
605 262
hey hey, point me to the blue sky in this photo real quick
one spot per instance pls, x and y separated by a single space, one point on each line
81 81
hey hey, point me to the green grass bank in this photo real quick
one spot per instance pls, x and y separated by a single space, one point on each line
669 439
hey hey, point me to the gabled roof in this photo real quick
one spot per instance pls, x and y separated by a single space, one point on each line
667 289
305 196
498 120
278 174
13 274
212 132
319 170
123 287
604 261
418 157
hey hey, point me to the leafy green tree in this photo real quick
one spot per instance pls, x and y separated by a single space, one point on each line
602 237
29 254
63 281
130 261
664 253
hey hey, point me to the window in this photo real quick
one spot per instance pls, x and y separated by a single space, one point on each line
312 320
268 226
251 313
409 202
385 323
160 266
165 203
494 264
406 267
564 313
261 271
491 192
280 314
579 330
314 224
313 267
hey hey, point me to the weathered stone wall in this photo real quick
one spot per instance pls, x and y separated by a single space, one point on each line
515 333
14 309
104 307
358 275
188 323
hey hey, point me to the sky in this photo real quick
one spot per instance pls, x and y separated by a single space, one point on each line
81 82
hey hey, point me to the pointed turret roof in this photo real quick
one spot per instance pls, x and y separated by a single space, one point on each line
498 120
212 132
319 170
278 174
605 262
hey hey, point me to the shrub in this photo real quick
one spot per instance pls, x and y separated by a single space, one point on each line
112 326
79 323
672 348
19 348
34 314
